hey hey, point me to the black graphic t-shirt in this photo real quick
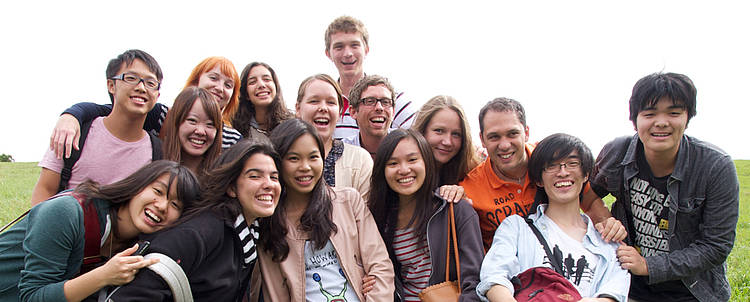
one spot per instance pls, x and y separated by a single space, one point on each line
649 214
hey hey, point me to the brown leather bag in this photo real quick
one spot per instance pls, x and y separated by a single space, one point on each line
448 290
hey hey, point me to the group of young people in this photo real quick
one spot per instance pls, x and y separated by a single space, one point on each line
348 197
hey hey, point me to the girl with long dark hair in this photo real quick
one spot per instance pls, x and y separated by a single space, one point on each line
413 219
41 256
261 105
215 242
320 242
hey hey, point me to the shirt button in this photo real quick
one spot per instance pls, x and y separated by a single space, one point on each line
519 191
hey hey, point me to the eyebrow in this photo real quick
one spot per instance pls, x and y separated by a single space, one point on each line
251 170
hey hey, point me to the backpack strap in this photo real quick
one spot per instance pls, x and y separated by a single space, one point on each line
156 146
554 261
173 275
67 170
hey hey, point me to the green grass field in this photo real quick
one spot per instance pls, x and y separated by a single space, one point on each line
17 181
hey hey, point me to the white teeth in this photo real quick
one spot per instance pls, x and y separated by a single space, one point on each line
197 141
660 134
506 156
321 120
563 184
405 180
265 198
378 120
152 216
304 178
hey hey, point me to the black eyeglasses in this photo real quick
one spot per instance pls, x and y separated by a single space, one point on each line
371 101
554 168
133 79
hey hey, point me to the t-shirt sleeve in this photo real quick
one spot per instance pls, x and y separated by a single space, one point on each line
50 161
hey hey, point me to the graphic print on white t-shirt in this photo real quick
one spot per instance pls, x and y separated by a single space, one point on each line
325 280
578 264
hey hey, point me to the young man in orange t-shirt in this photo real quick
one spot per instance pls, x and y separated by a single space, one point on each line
499 187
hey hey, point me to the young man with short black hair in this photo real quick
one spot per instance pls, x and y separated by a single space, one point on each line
677 196
116 145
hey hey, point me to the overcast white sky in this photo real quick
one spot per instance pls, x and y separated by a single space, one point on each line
572 64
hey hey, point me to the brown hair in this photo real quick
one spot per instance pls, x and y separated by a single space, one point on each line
346 24
325 78
170 134
465 160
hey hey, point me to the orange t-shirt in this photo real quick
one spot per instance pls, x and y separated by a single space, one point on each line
494 199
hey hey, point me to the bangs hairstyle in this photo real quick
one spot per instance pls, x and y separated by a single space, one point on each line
465 160
552 149
348 25
502 105
383 201
227 69
325 78
121 192
355 94
126 59
177 115
316 220
277 111
223 175
649 89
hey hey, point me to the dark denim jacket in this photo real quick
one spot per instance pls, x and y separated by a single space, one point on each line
703 209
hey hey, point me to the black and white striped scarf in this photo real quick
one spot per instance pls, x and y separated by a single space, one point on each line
248 236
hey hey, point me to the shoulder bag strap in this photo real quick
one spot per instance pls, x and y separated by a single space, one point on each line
173 275
452 233
67 170
552 259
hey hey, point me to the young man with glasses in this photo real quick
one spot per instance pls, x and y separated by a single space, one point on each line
371 105
500 187
116 145
347 45
677 196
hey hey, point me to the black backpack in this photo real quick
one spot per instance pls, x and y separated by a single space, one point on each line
67 170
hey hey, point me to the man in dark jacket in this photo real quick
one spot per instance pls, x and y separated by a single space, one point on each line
678 197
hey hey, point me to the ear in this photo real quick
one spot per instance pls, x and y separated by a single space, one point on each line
296 111
526 131
328 54
230 192
111 86
353 112
481 138
540 184
367 49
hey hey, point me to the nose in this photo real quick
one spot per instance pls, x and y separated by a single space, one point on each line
563 170
446 139
348 52
403 168
504 144
160 203
200 129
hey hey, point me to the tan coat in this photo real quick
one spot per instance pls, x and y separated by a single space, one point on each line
360 250
353 169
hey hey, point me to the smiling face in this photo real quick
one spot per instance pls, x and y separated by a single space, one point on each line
197 131
320 107
347 52
152 209
257 188
563 185
405 169
218 84
302 165
504 137
661 127
444 134
129 98
261 88
374 120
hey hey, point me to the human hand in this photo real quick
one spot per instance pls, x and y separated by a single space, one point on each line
65 136
452 193
612 230
368 282
631 260
122 267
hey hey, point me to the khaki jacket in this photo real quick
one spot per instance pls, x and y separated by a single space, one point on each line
360 250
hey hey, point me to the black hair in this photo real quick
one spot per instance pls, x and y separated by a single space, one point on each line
277 111
317 218
552 149
502 105
223 175
383 201
121 192
126 59
651 88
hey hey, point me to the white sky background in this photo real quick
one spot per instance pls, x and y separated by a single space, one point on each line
572 64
